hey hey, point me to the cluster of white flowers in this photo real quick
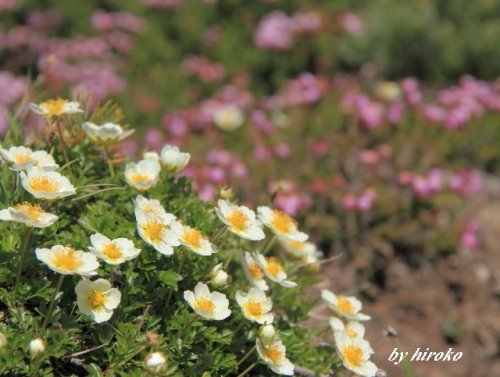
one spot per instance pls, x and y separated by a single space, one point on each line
353 349
38 173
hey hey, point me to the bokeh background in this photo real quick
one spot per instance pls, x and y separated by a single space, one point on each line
375 123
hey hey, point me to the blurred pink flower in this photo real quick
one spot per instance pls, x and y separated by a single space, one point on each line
351 23
468 236
274 32
466 182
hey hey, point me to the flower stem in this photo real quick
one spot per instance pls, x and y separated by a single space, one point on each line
22 253
268 245
110 163
219 233
244 373
61 141
52 302
247 355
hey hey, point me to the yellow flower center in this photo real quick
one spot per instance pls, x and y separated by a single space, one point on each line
154 231
238 220
66 260
205 304
43 183
273 267
139 178
255 271
150 208
353 356
22 158
54 106
274 354
345 305
33 211
96 300
282 222
112 251
351 332
297 245
192 237
253 308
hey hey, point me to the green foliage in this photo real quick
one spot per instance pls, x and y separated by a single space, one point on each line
152 315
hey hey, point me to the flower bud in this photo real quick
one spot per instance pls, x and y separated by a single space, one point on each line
155 362
37 346
173 159
229 118
226 193
267 331
218 277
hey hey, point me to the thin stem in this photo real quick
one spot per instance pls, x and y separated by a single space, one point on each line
268 245
63 144
181 263
22 253
247 355
244 373
110 163
97 192
219 233
52 302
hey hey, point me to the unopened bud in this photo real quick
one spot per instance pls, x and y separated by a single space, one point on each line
155 362
218 277
37 346
267 331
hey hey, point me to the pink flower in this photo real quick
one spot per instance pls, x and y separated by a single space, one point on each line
366 200
466 182
352 23
274 32
468 236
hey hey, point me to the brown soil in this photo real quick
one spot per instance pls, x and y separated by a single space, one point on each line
451 302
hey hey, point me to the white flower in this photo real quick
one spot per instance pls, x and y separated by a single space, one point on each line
273 353
55 107
273 270
218 277
352 328
344 306
155 362
114 251
154 225
229 118
355 354
107 133
253 272
44 184
209 305
67 261
240 220
299 249
29 214
22 158
151 207
97 299
36 346
255 305
142 175
173 159
192 239
281 224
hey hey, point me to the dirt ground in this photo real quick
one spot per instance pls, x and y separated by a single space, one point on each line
453 302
